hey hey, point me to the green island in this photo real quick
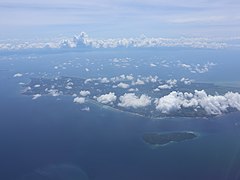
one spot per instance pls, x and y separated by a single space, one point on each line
165 138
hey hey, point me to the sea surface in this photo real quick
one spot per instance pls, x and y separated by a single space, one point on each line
53 137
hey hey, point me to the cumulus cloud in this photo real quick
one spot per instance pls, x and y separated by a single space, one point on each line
107 98
153 65
86 109
79 100
152 79
37 85
233 100
213 105
172 82
133 90
138 82
197 68
186 81
129 77
131 100
54 92
69 84
165 86
169 84
84 93
87 81
122 78
123 85
18 75
104 80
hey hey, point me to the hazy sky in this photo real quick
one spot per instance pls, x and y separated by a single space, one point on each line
119 18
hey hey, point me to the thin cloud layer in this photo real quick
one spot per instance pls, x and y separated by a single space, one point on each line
116 18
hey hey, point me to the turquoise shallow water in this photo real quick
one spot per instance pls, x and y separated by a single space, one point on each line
52 133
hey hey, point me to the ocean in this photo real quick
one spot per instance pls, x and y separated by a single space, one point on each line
53 138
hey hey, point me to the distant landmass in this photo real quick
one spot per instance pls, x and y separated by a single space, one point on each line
165 138
145 96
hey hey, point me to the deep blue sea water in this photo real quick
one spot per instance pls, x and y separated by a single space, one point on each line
52 133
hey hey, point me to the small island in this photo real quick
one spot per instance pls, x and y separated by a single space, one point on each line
165 138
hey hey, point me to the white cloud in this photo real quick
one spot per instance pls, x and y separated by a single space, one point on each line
87 81
79 100
133 90
84 41
54 92
18 75
123 85
153 65
152 79
86 109
107 98
156 90
131 100
35 96
165 86
84 93
169 84
138 82
104 80
213 105
172 82
168 103
187 66
68 87
233 100
123 77
129 77
197 68
186 81
37 85
69 84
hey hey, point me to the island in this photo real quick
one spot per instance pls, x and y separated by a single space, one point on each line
166 138
146 96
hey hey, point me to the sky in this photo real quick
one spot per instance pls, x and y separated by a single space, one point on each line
119 18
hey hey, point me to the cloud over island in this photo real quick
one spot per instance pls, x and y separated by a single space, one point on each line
213 105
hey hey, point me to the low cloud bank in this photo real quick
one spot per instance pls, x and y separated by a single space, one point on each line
83 41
